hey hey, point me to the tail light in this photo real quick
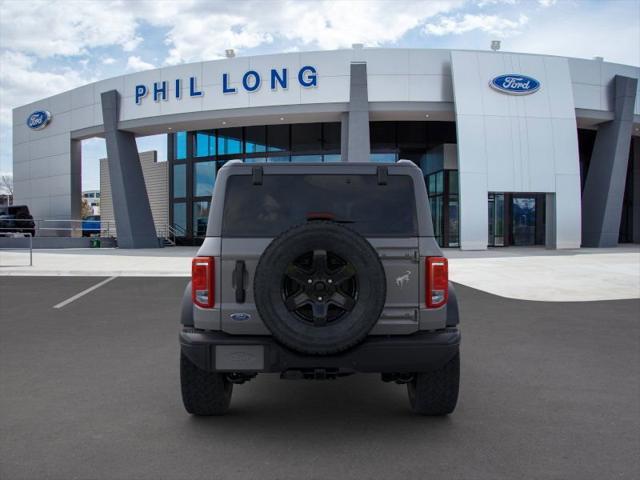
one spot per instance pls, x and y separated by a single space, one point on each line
437 281
202 281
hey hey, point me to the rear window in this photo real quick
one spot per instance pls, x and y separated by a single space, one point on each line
285 200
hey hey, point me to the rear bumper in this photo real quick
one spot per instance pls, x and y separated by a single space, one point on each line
419 352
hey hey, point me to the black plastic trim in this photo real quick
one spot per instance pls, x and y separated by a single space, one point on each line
420 352
453 315
239 275
186 309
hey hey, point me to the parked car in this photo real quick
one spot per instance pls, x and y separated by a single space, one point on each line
91 225
319 271
17 219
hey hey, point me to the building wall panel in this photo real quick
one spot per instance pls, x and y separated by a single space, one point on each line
522 138
156 180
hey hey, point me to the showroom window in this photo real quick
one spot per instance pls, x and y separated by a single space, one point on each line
230 141
205 144
442 187
200 218
180 143
278 138
255 139
204 176
179 180
197 156
180 216
383 157
306 137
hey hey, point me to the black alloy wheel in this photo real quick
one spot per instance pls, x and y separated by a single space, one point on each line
320 287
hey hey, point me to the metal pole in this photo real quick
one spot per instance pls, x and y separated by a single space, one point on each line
30 250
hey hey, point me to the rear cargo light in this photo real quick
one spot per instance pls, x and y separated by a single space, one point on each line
202 281
437 282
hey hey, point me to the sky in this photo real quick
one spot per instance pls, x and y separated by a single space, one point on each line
47 47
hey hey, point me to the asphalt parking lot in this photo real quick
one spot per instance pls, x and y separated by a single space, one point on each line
91 391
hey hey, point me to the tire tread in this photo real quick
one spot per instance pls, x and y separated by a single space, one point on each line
203 393
436 393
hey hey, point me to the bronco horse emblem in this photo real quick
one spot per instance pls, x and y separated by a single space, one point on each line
403 279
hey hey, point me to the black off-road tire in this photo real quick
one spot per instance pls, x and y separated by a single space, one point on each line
353 326
203 393
435 393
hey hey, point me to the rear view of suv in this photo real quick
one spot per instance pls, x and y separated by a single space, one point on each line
319 271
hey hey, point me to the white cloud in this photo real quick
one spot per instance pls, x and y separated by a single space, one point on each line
108 61
22 83
46 29
583 34
203 30
491 24
484 3
135 64
547 3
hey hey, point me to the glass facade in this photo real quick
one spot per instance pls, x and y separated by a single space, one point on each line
255 139
204 176
196 157
442 187
410 140
200 217
230 141
180 216
180 145
180 180
383 157
205 144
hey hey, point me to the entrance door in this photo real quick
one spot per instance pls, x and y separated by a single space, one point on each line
523 214
496 219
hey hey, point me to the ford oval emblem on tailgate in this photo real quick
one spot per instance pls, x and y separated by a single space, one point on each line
240 317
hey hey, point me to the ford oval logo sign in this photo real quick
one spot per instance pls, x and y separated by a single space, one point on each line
240 316
38 120
515 84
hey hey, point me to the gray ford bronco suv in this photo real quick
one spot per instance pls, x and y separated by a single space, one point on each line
317 271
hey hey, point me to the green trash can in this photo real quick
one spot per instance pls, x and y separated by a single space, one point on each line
94 243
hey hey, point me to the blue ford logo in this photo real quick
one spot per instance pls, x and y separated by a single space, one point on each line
38 120
515 84
240 317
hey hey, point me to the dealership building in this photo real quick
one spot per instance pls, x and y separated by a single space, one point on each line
516 149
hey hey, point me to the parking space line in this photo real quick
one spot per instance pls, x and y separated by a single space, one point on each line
83 293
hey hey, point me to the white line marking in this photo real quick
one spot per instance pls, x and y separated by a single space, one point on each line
83 293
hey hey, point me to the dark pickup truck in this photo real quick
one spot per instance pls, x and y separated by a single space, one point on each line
16 219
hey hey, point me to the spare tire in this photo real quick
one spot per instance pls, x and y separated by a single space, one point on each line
320 288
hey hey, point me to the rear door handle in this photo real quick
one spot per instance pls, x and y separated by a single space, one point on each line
239 280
